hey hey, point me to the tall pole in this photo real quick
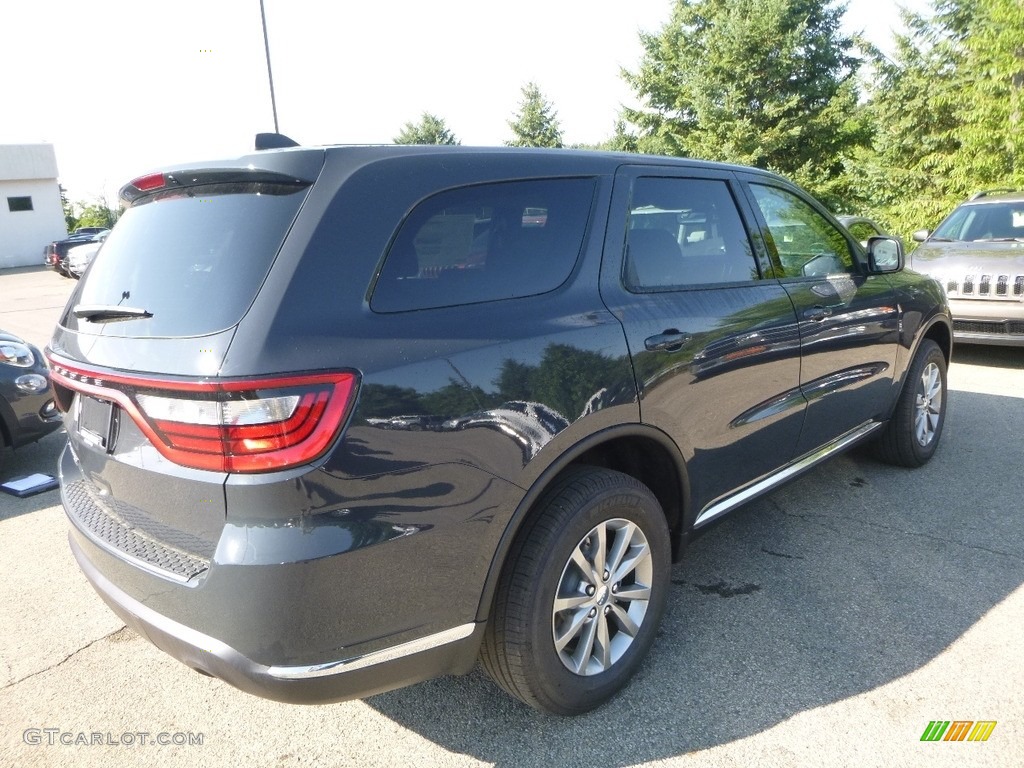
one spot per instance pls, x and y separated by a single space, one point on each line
270 75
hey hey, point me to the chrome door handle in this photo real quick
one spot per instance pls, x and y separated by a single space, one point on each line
817 314
669 341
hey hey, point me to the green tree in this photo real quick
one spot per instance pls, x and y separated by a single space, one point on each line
769 83
536 124
431 129
946 110
992 130
70 220
97 213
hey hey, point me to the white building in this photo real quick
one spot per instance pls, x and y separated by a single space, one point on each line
30 211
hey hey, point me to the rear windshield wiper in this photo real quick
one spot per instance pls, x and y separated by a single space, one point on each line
108 313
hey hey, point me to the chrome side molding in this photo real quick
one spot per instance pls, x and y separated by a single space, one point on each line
720 507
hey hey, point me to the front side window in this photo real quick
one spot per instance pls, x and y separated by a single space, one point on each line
806 243
485 243
685 232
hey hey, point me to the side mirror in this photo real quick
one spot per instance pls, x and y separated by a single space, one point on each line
921 235
885 254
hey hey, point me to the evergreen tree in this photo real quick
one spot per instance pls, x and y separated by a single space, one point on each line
431 129
768 83
536 124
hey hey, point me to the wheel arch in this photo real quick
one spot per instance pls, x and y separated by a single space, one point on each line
638 450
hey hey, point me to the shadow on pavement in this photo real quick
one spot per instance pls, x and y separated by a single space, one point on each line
848 579
988 355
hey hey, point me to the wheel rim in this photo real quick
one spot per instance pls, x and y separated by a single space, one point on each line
929 405
602 597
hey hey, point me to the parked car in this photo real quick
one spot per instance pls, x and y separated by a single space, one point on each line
318 451
977 254
81 256
27 410
862 228
56 253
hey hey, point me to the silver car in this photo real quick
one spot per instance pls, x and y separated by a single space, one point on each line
977 253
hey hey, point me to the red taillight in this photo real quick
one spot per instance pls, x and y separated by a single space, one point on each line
150 182
228 425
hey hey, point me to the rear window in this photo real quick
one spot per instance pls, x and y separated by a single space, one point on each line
194 257
486 242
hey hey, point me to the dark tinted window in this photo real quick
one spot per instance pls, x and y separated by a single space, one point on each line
807 244
194 258
685 232
486 242
15 204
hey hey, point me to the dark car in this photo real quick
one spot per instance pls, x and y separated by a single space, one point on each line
56 253
370 413
862 228
977 254
27 410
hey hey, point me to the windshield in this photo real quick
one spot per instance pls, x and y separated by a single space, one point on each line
192 258
984 222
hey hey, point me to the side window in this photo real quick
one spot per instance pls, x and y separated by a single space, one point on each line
861 231
807 244
485 242
685 232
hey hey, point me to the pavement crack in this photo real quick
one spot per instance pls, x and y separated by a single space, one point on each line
64 660
818 519
932 537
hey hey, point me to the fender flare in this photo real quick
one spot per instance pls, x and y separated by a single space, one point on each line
562 462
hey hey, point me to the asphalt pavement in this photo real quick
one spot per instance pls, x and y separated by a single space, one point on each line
826 624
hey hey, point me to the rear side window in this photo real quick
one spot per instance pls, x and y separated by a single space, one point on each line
194 258
484 243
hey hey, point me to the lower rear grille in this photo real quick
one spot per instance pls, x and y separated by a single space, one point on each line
120 526
1008 328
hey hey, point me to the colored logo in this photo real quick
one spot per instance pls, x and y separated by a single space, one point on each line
958 730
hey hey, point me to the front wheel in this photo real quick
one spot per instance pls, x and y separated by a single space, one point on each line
912 434
582 593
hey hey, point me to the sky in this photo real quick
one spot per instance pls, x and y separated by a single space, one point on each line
120 87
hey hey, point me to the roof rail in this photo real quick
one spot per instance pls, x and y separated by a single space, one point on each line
987 192
274 141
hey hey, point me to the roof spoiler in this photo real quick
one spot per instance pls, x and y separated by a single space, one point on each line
274 141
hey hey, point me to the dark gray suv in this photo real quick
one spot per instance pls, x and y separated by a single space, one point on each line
343 419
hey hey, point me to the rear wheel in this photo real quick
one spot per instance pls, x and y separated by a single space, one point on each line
913 433
583 590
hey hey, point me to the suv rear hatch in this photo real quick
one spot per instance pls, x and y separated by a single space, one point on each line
137 353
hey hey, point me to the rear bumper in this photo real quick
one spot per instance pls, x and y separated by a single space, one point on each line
451 651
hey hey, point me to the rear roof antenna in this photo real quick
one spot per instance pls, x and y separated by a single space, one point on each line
274 141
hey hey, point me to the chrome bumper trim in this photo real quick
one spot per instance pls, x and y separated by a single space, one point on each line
377 657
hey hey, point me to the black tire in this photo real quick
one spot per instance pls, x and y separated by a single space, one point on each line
912 434
519 648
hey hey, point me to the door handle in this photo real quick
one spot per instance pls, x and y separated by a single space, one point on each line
668 341
817 314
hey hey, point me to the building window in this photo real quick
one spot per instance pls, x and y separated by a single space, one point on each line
19 204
